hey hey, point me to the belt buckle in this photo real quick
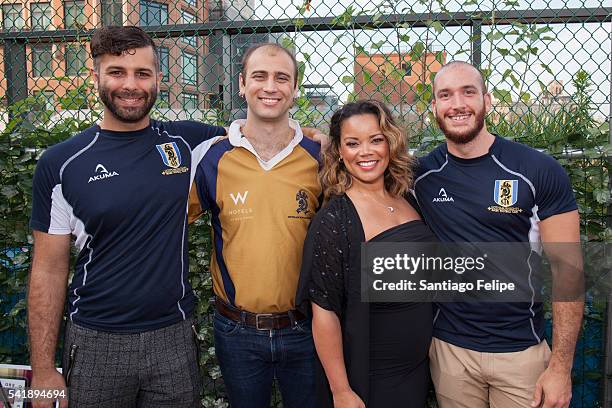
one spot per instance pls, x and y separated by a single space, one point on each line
257 316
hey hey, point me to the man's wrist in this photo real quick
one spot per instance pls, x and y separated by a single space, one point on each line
43 368
560 365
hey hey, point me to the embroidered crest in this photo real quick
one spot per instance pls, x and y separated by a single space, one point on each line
302 200
506 192
170 153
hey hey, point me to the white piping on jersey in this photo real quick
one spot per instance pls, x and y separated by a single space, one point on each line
78 297
178 303
77 154
413 189
534 231
532 301
436 317
77 228
533 237
429 172
60 213
81 238
516 174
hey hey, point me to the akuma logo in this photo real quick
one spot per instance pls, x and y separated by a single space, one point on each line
443 197
102 173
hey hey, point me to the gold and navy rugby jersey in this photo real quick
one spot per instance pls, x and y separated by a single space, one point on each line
260 212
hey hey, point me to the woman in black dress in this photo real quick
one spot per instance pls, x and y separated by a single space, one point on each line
371 354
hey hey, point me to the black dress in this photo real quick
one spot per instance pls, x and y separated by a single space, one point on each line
390 367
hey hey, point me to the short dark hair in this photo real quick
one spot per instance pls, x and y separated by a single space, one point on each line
251 50
117 40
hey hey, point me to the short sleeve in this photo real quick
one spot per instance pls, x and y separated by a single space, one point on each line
50 211
207 171
322 277
194 207
554 194
199 192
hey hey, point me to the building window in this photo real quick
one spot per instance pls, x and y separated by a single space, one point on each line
152 14
40 16
188 18
190 101
164 62
192 3
407 69
74 14
112 12
12 16
41 60
76 59
190 68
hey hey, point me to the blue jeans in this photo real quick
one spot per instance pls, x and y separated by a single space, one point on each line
251 359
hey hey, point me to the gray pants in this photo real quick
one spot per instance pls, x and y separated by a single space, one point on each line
158 368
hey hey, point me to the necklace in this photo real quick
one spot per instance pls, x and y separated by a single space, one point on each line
390 208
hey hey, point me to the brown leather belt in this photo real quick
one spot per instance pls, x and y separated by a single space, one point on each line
259 321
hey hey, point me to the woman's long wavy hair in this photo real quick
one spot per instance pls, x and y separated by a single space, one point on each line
335 179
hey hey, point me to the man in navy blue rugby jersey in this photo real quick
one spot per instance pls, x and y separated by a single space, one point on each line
479 187
121 189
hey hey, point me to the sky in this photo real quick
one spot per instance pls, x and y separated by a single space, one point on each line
572 46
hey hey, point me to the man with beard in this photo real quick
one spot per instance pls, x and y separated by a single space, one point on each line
121 188
479 187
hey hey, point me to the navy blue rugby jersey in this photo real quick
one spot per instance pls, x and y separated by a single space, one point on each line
124 196
498 197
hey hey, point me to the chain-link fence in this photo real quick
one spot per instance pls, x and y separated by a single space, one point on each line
546 63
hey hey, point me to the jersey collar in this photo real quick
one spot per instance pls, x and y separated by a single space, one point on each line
237 139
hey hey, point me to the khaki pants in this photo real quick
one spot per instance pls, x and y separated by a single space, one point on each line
471 379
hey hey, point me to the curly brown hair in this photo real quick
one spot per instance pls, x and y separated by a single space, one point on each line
334 177
117 40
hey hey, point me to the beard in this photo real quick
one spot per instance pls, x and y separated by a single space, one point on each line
463 136
129 114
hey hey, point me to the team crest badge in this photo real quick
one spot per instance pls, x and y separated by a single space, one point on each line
170 153
302 201
506 192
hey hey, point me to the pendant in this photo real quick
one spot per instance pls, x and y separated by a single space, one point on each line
391 209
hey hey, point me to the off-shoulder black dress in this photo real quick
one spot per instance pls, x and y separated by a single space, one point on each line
385 344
